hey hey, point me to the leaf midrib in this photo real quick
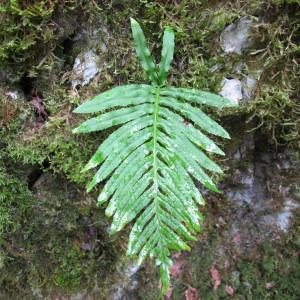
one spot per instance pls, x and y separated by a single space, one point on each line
155 132
155 164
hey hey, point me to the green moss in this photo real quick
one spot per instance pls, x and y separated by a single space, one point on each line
30 29
15 200
276 276
48 253
53 147
276 102
275 108
71 271
62 152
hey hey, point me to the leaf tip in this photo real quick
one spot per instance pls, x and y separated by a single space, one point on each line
220 152
90 186
102 198
226 135
217 191
76 110
84 169
133 21
164 278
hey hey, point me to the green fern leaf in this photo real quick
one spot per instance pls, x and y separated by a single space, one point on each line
151 161
143 51
166 55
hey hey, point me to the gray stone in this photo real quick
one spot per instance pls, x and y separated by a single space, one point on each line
119 293
238 91
85 68
37 293
236 37
232 90
13 95
244 149
131 269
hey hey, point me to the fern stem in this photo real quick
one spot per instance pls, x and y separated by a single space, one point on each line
155 168
155 131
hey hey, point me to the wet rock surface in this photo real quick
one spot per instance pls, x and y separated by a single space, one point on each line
236 37
88 63
263 190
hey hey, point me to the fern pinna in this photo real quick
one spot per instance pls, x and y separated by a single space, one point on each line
150 161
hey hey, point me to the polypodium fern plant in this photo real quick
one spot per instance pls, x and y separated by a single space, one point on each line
151 161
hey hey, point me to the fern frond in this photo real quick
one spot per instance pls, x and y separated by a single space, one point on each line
151 161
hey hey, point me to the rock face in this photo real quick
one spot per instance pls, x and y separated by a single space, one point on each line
265 189
232 90
128 283
257 214
88 64
236 37
238 91
48 186
13 95
85 68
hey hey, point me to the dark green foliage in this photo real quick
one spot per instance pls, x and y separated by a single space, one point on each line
150 161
